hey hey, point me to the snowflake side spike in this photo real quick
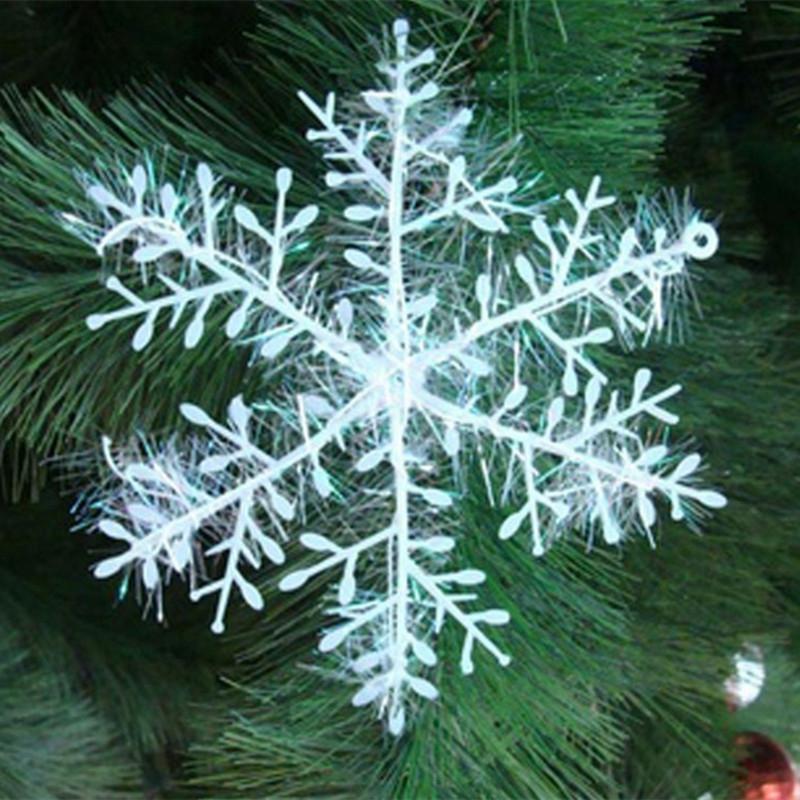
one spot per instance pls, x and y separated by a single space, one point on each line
386 399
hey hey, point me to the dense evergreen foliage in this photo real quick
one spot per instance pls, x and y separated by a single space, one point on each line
616 689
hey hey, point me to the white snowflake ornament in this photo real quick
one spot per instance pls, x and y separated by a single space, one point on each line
392 375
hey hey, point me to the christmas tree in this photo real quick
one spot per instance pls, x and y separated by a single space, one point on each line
620 653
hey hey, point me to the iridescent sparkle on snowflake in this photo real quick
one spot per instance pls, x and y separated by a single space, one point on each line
393 379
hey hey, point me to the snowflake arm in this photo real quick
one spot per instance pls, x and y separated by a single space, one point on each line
642 270
604 471
169 228
167 505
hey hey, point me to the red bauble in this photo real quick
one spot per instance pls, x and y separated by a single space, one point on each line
767 772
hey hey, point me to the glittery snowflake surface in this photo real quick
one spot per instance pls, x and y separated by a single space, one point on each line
393 380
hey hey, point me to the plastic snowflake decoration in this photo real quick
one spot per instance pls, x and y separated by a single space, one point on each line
394 372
